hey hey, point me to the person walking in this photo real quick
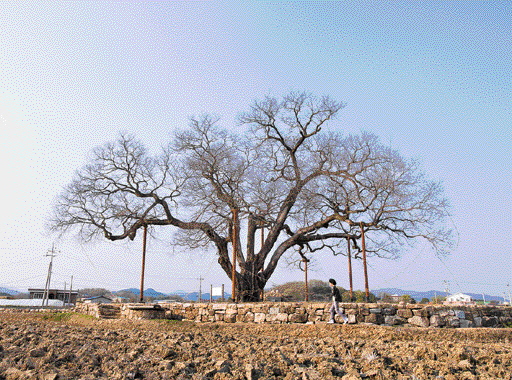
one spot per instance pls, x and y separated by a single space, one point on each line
336 298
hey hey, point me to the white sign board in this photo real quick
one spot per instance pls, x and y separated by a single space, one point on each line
217 291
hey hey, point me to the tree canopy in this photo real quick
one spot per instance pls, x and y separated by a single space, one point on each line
296 290
318 290
302 186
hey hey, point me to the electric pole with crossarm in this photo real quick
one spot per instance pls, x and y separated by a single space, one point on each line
52 254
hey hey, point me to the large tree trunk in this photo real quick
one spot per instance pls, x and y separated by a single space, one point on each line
250 283
250 287
250 280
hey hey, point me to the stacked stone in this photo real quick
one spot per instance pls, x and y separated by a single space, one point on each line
109 311
300 312
379 314
89 309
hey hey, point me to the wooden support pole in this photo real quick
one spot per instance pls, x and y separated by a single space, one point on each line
233 278
366 289
306 278
262 234
262 243
350 271
143 262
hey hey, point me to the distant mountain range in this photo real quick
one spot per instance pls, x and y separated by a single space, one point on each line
432 293
9 291
194 296
147 292
188 296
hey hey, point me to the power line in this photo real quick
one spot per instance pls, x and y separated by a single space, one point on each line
24 279
88 280
19 262
448 269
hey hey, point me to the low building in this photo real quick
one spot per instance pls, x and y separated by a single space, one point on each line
120 300
97 299
458 298
66 296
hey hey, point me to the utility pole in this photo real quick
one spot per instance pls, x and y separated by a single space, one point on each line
447 287
366 289
70 286
143 263
509 297
200 294
52 254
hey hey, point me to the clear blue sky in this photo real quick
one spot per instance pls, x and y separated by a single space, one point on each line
433 79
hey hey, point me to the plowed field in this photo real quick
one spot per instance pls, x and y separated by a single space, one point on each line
78 347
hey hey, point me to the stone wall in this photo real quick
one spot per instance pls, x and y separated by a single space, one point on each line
301 312
380 314
121 310
96 310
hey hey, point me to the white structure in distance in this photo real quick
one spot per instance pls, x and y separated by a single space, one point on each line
459 298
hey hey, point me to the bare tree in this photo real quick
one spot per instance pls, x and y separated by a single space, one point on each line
284 182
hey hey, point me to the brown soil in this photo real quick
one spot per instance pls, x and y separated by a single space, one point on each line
79 347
